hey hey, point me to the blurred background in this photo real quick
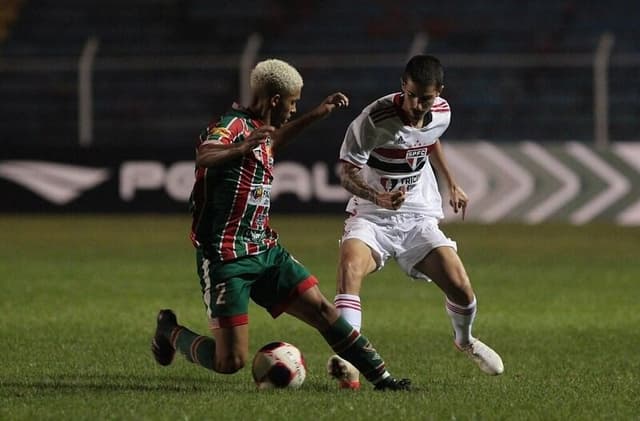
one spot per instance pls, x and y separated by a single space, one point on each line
101 102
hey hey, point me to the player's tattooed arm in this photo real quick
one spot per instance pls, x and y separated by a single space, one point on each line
354 183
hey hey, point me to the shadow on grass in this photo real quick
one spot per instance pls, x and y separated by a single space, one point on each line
119 383
114 383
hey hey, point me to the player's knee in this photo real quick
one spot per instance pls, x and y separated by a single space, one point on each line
230 364
323 314
313 308
328 311
352 273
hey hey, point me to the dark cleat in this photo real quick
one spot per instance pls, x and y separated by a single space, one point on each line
163 350
392 384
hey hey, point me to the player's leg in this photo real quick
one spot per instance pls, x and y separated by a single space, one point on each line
314 309
444 267
231 348
356 262
226 298
361 253
290 288
227 353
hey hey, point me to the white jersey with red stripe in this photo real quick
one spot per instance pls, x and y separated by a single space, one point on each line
393 155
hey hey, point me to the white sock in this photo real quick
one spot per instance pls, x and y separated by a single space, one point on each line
461 319
349 307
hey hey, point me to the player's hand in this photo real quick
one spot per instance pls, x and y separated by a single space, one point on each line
390 200
458 200
257 137
333 101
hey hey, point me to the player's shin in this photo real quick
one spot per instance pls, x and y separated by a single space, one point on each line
349 344
462 318
197 349
348 305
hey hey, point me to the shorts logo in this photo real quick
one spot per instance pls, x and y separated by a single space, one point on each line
416 157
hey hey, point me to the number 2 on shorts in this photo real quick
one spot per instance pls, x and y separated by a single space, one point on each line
221 288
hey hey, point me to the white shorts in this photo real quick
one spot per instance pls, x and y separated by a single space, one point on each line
407 238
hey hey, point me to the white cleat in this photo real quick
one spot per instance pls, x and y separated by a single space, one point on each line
344 372
487 359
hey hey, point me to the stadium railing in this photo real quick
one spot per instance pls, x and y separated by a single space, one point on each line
155 100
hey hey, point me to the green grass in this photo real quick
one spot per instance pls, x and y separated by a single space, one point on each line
80 295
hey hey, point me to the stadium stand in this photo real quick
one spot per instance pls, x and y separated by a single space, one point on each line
166 105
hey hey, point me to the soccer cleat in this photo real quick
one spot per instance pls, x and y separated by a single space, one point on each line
344 372
163 350
487 359
392 384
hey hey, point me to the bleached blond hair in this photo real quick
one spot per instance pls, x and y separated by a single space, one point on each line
275 76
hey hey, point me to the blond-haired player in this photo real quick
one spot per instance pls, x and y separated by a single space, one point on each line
238 255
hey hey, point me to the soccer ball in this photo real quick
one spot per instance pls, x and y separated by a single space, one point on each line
279 365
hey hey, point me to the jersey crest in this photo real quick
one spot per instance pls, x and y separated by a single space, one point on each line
394 155
416 158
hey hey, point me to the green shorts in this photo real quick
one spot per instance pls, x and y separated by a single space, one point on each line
271 279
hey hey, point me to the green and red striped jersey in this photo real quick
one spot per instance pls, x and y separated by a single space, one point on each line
230 203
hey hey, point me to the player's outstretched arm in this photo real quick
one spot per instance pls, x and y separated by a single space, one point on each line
458 199
213 154
352 182
285 134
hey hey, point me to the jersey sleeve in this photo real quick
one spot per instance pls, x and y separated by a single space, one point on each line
219 135
441 112
223 132
359 141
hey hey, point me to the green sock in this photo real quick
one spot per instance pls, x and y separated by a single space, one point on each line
197 349
355 348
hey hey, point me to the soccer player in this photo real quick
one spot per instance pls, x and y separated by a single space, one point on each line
238 255
396 205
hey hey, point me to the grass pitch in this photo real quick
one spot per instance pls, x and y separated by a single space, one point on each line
80 295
